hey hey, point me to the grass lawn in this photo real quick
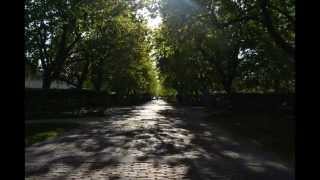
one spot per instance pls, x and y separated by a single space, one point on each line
275 132
37 132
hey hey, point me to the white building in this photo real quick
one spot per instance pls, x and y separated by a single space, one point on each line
35 81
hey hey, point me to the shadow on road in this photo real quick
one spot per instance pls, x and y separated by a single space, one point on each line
152 140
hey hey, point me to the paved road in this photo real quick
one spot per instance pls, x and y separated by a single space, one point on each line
152 141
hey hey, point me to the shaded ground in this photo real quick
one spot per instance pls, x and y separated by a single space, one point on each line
274 131
152 141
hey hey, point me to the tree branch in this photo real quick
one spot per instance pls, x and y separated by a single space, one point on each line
267 21
286 14
78 37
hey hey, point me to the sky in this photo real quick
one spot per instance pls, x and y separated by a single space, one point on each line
153 23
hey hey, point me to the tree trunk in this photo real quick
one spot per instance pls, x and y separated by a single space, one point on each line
46 81
97 82
83 76
97 87
79 86
63 49
228 88
227 85
277 86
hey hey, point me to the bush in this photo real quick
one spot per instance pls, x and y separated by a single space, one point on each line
70 102
242 101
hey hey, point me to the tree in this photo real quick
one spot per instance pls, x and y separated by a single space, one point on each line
77 41
230 43
277 17
52 29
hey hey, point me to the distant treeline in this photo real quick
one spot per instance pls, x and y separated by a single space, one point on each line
239 101
71 102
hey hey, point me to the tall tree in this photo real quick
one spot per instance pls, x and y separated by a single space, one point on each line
231 42
51 31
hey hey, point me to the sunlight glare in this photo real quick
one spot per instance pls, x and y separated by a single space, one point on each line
152 23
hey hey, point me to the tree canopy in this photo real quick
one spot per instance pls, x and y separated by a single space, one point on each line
205 46
102 45
201 47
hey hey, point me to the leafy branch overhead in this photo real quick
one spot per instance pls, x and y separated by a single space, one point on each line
201 47
89 44
206 46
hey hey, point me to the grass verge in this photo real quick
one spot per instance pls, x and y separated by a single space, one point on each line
37 132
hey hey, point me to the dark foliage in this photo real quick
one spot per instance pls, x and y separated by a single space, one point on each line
74 102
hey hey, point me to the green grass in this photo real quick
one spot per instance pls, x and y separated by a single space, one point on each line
37 132
273 131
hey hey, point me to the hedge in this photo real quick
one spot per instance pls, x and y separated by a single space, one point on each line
57 101
242 101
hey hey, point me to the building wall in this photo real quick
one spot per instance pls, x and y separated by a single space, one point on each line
37 83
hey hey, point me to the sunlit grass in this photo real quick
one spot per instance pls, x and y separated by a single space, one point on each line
38 132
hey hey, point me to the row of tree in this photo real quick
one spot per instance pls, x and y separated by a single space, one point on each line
96 44
204 46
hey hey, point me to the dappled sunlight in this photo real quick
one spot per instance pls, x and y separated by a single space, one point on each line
257 167
153 140
231 154
224 70
276 165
